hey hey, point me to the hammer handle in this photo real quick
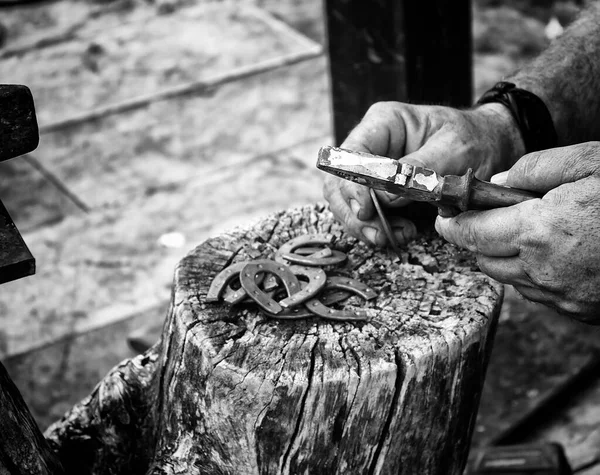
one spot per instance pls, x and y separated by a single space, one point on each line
18 124
485 195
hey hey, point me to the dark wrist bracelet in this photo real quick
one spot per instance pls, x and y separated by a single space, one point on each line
530 113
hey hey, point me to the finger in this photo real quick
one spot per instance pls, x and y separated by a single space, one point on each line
535 294
372 233
443 153
358 199
507 270
578 310
346 197
380 132
494 233
390 200
404 230
547 169
346 213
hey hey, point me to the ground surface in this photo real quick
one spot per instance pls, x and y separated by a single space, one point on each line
243 111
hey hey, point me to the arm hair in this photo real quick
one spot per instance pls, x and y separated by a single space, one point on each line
567 78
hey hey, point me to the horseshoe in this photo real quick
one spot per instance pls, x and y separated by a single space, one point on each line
222 279
316 281
314 252
248 281
271 281
234 297
286 252
344 283
298 313
245 297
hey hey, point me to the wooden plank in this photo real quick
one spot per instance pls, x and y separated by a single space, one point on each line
110 65
31 210
397 51
305 16
138 152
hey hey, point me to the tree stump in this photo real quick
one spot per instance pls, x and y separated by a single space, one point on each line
228 390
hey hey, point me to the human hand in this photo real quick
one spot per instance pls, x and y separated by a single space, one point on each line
548 248
448 140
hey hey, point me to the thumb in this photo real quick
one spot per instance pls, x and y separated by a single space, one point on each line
547 169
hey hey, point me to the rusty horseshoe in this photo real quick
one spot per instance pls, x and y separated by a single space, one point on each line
248 280
219 284
286 252
314 252
316 281
348 284
298 313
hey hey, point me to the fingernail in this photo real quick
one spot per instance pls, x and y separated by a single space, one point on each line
354 206
370 233
500 178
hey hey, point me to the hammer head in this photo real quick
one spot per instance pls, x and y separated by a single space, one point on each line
381 173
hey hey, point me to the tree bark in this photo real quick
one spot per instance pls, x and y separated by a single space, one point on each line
228 390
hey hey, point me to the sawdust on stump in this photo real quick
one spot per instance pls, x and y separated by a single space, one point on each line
228 390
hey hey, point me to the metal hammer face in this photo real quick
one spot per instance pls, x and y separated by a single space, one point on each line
18 135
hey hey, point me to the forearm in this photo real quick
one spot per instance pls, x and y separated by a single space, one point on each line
567 78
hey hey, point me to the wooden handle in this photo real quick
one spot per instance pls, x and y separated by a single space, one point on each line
485 195
18 125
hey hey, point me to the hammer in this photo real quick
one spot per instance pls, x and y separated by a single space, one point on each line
18 135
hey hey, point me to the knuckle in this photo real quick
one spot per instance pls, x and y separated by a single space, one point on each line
382 107
528 165
534 232
543 280
347 218
486 267
471 239
467 233
586 158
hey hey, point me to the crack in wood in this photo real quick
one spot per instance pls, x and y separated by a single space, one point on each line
310 376
399 380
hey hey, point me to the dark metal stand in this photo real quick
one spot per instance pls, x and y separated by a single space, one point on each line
397 50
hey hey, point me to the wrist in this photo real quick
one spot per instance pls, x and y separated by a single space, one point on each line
506 140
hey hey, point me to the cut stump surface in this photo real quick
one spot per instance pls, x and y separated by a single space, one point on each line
229 390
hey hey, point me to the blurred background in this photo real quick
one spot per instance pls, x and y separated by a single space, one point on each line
164 122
